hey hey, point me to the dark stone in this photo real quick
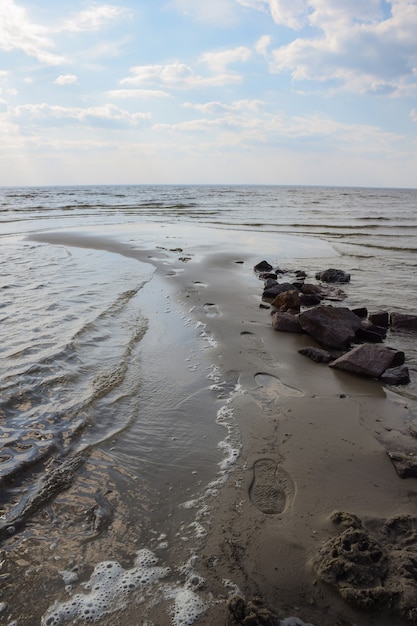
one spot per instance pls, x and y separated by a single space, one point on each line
264 306
298 284
286 322
333 276
367 360
266 275
404 321
364 334
309 299
381 318
333 327
263 266
319 355
271 293
301 274
396 376
310 288
361 312
270 282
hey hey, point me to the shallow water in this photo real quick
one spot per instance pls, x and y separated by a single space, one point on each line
113 413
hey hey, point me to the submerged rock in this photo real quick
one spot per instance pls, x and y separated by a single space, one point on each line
271 293
405 463
333 276
380 318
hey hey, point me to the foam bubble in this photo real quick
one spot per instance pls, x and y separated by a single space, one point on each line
109 588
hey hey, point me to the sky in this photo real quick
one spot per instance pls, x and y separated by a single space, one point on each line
286 92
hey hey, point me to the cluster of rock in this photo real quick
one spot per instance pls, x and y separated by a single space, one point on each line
336 328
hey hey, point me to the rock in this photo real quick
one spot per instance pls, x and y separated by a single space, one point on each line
271 293
381 318
361 312
367 360
319 355
287 301
333 276
263 266
396 376
333 327
364 334
270 282
310 288
309 299
405 463
286 322
266 275
404 321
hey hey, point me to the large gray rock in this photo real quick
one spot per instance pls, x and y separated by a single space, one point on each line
367 360
333 327
404 321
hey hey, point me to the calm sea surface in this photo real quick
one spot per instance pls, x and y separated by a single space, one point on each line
79 371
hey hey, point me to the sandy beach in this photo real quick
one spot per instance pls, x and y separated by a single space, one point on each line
313 442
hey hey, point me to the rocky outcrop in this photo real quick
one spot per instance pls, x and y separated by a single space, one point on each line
333 327
263 266
368 360
396 376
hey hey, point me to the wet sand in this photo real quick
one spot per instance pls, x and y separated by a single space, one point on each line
313 442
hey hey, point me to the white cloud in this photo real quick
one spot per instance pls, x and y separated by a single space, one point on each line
176 76
218 61
263 44
17 32
356 46
107 113
95 18
137 93
216 12
216 106
66 79
290 13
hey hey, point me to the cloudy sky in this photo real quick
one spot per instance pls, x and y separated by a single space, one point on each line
320 92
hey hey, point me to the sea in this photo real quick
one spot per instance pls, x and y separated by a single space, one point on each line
116 419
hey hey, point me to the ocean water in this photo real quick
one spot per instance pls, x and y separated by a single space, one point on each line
113 411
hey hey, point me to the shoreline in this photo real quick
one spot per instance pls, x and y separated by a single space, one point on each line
309 446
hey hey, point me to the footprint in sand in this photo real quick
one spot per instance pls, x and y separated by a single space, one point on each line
256 347
272 489
270 388
212 310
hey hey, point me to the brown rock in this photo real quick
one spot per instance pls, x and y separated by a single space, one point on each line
319 355
286 322
396 376
380 318
367 360
287 300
